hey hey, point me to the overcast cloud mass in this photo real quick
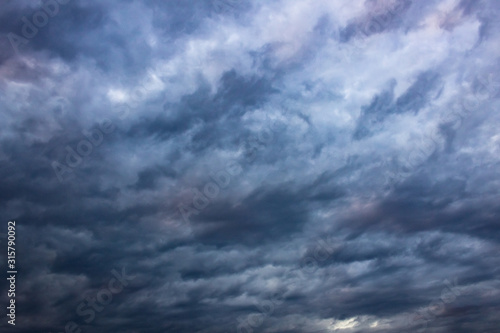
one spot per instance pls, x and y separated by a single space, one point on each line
251 166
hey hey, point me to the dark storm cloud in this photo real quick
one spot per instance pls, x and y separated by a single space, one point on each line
264 214
288 130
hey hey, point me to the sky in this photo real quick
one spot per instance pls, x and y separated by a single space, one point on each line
251 166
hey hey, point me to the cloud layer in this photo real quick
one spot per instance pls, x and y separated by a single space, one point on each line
252 166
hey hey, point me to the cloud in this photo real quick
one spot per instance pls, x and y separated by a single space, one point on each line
338 161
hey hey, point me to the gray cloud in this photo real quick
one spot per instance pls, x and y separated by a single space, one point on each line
339 161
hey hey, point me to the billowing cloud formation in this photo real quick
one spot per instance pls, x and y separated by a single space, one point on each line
252 166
